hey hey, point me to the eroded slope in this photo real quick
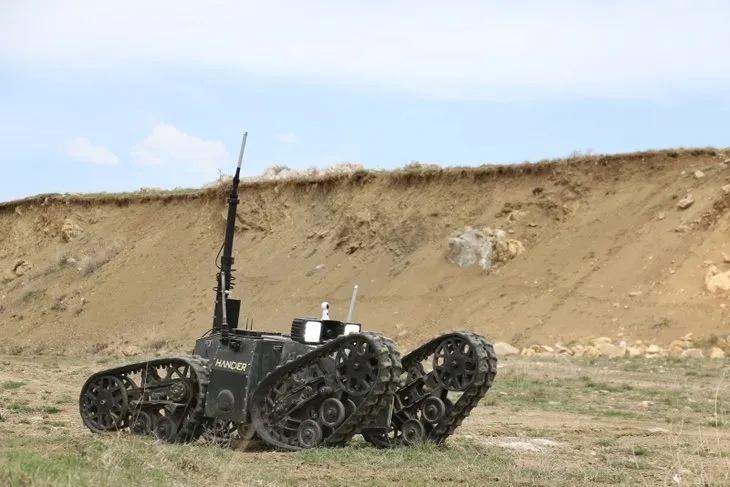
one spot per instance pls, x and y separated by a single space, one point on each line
607 251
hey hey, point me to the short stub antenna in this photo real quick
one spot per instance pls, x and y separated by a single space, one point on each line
352 304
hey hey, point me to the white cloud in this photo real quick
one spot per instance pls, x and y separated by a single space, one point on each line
495 49
81 149
288 138
167 146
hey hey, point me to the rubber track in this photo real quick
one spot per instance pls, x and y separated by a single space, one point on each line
476 391
379 396
188 428
487 370
191 425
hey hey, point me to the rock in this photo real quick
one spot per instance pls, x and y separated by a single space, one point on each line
687 201
610 350
503 349
131 351
599 340
633 294
503 248
675 351
717 353
653 349
682 344
563 350
661 216
21 267
531 350
527 352
726 189
516 215
658 430
312 272
699 174
716 281
682 228
693 353
469 246
592 352
725 258
70 230
634 352
546 349
513 248
525 444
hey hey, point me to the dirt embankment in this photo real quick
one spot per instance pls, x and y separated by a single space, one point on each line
597 246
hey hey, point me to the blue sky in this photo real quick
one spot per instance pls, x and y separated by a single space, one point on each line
114 96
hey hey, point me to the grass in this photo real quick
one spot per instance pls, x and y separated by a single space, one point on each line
409 173
91 263
12 384
590 409
639 395
58 460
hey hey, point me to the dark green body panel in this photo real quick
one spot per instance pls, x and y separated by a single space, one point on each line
238 366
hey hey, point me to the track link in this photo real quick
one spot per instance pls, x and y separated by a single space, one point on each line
164 398
328 395
463 362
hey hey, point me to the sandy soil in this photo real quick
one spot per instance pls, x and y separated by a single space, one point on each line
608 252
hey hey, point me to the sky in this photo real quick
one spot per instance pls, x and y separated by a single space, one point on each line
118 95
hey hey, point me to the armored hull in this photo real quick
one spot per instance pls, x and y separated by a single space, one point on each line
288 394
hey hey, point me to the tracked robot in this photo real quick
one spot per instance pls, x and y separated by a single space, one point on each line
318 385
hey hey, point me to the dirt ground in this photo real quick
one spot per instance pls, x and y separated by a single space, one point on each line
546 421
608 252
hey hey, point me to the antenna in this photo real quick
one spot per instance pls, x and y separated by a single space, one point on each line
352 304
224 318
224 280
